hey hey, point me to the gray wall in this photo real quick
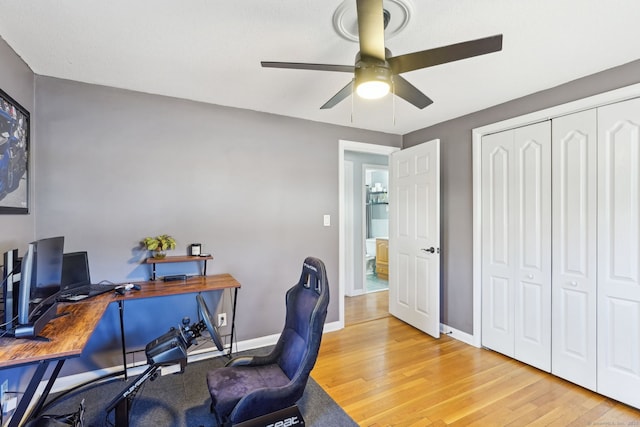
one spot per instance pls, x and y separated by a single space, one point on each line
115 166
456 179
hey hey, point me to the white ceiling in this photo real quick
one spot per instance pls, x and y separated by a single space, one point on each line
210 51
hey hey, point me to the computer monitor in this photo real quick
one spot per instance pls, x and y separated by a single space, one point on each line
75 270
39 285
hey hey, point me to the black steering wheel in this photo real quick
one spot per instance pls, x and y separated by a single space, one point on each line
204 312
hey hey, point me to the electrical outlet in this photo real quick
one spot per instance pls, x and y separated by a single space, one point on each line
222 320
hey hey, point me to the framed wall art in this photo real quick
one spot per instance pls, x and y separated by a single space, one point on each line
14 155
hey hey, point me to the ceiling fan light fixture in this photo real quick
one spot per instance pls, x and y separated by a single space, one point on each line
372 89
373 82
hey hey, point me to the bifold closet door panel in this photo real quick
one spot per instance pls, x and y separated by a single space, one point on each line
532 244
498 242
619 251
574 269
516 243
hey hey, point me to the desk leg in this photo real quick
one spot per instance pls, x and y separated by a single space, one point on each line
122 338
233 321
47 389
23 405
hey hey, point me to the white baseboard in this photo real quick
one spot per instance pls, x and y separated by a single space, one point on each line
332 327
458 335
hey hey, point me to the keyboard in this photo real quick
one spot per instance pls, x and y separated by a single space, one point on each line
84 291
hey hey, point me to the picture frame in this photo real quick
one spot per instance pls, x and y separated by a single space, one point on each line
14 156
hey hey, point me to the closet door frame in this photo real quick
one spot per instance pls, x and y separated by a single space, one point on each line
594 101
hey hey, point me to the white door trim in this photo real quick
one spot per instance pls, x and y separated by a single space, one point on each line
343 146
601 99
349 270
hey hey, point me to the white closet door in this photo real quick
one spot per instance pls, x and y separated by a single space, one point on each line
516 243
498 259
532 244
619 251
574 248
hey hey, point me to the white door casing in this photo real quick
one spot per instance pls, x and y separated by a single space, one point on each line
414 236
619 251
349 243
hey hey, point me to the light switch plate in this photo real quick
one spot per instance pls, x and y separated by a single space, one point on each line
327 220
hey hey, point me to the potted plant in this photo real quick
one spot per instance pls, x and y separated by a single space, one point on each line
159 245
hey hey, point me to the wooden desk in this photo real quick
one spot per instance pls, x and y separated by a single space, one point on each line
69 334
196 284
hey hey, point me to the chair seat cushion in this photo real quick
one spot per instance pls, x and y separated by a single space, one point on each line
228 385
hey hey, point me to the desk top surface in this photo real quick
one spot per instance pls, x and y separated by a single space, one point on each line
69 333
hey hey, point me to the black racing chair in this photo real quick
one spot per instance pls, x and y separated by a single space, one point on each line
254 386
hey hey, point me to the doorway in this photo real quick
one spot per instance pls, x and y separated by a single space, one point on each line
352 221
376 224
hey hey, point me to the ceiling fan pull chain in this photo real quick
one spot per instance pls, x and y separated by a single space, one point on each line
393 100
353 88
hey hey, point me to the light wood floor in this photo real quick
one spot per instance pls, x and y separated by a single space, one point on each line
386 373
364 308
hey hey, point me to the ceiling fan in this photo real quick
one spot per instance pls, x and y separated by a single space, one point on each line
376 72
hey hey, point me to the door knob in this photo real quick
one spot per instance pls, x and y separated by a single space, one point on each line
431 250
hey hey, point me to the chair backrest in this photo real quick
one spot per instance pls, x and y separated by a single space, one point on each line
307 303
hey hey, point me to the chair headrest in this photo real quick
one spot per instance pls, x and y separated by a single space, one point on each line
314 275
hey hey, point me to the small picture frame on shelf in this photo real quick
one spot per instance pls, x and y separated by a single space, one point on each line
195 249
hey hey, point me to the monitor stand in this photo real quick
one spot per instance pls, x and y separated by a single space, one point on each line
31 330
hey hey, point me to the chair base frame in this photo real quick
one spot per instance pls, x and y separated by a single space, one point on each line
288 417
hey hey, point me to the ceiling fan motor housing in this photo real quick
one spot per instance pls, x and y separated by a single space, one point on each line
372 69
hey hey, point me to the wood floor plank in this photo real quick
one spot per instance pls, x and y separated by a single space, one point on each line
383 372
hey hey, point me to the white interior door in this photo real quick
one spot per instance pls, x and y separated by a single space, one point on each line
414 236
619 251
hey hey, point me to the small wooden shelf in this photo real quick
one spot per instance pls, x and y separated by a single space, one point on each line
177 258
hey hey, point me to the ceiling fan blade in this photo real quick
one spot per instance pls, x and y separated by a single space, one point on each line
303 66
342 94
410 93
371 28
444 54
